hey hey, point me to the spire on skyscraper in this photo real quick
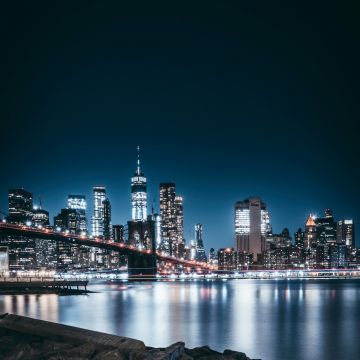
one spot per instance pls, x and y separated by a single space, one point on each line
138 160
138 192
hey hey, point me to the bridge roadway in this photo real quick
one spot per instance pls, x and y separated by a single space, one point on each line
125 249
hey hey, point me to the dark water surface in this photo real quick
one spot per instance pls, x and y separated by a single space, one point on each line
267 319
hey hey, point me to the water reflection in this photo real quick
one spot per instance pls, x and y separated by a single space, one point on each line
297 319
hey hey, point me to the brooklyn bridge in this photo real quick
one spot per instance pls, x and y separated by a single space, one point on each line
141 262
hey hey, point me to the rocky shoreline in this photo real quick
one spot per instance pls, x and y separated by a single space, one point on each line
23 338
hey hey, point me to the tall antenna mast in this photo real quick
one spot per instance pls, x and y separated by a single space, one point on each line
138 160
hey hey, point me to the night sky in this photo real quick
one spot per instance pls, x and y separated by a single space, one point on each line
228 99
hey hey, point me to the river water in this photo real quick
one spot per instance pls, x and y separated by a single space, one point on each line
267 319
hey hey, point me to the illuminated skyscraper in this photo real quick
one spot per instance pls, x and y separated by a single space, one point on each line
108 235
179 214
310 232
345 233
251 226
138 193
78 202
200 251
310 243
99 193
20 206
168 219
21 249
157 218
45 249
326 228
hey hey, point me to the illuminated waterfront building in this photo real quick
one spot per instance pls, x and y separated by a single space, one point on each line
20 206
4 259
251 226
21 250
345 232
282 257
138 194
226 259
339 256
78 202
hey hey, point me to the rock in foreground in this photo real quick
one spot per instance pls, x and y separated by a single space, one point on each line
23 338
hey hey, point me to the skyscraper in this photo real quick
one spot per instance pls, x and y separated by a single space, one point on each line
40 218
169 234
107 220
251 226
68 219
21 249
299 239
99 193
138 193
45 249
310 232
20 206
326 228
345 232
78 202
200 251
179 214
310 242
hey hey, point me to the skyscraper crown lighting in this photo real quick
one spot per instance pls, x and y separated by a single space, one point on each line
138 193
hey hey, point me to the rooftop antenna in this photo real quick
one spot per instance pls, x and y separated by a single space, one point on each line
138 160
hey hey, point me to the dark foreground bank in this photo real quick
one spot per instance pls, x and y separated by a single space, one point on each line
31 339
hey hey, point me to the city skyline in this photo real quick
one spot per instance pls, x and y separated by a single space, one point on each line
231 101
191 234
180 179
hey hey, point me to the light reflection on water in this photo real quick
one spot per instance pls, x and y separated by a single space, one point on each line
268 319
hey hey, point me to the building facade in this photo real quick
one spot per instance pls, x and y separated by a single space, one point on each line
200 250
99 196
169 234
251 226
179 213
20 206
78 202
345 232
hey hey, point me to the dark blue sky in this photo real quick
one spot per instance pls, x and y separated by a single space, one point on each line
227 99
